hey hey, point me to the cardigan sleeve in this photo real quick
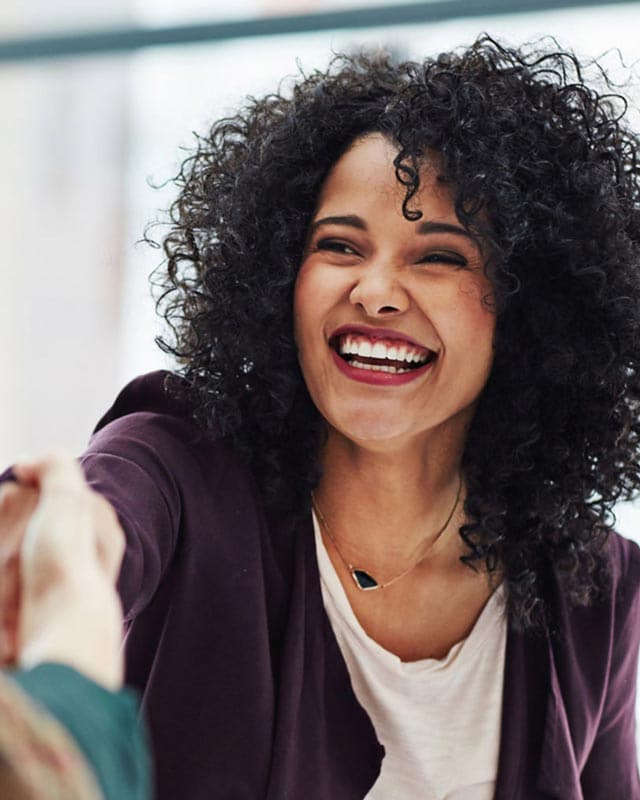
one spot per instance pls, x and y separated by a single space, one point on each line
128 472
145 455
611 769
134 462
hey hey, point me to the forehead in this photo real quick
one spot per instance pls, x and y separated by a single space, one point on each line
364 178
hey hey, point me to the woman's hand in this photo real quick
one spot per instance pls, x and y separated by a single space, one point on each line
59 601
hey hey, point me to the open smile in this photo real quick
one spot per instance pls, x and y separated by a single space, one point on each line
380 357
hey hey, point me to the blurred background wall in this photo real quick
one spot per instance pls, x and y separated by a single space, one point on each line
84 141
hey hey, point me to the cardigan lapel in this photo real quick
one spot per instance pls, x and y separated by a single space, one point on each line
324 745
559 773
537 758
519 729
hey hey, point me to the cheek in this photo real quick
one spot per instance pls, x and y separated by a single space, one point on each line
476 316
309 319
467 329
310 305
317 292
303 307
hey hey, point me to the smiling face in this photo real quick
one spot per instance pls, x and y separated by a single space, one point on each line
393 336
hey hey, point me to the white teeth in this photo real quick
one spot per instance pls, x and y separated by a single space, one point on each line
358 346
378 367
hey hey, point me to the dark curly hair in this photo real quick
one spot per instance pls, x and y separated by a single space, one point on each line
554 442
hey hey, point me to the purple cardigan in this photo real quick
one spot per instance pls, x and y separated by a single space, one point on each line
244 685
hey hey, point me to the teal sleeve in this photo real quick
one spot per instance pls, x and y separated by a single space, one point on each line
104 724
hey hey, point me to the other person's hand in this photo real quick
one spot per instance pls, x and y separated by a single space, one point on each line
59 601
17 504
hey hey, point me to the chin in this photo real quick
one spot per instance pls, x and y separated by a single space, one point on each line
370 429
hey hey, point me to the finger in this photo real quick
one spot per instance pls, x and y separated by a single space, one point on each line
16 506
9 610
8 490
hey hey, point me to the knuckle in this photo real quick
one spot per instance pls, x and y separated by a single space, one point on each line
8 492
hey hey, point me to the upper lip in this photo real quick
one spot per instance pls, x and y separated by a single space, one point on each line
377 333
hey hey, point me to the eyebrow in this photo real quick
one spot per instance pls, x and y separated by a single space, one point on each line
443 227
354 221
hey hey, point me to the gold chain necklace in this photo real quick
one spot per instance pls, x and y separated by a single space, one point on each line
363 579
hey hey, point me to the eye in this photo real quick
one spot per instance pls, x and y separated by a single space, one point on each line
444 257
336 246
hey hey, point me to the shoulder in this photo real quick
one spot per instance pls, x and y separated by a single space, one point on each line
624 592
613 617
151 419
157 399
148 454
624 558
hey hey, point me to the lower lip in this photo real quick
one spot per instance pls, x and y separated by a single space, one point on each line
378 377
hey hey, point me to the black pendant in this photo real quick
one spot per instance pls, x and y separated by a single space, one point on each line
363 580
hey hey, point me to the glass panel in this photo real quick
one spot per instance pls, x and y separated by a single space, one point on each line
167 12
37 17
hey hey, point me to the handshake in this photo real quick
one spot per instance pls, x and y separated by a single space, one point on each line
61 547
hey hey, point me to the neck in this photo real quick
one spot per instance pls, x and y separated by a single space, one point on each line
387 506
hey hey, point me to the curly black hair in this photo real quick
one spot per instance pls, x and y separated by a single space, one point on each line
554 168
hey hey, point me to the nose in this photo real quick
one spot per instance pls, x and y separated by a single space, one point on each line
378 292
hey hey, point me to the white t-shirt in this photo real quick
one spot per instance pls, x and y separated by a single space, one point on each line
439 720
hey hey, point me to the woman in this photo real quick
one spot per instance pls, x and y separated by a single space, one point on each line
373 515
